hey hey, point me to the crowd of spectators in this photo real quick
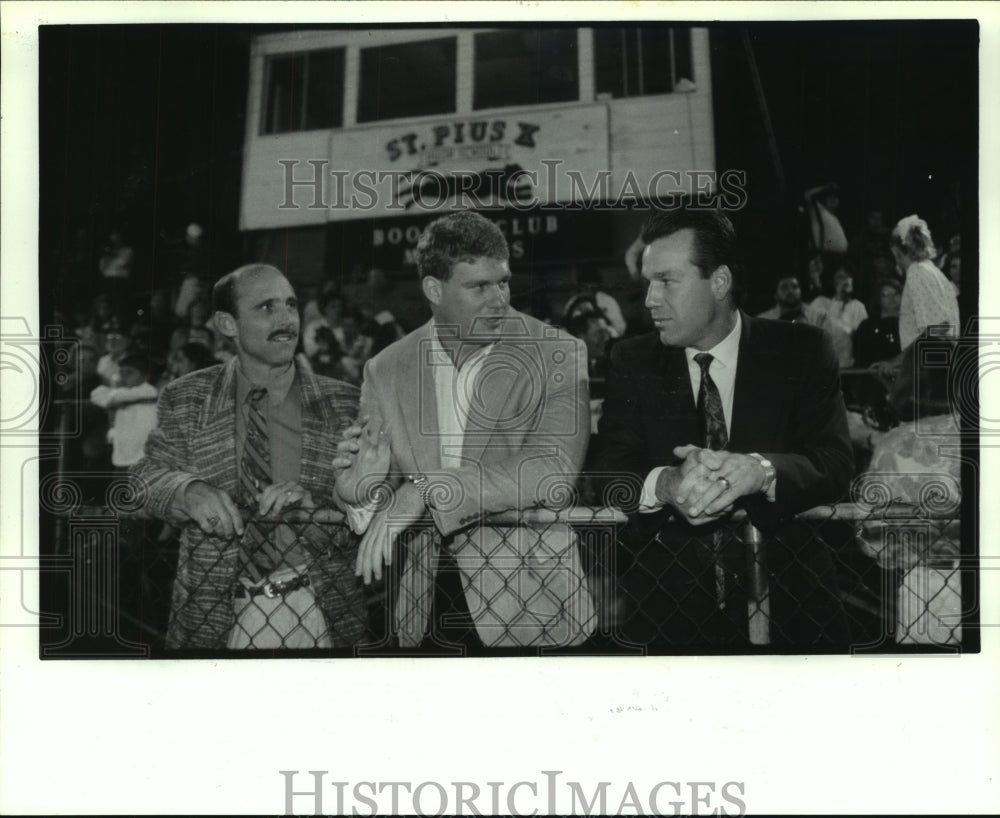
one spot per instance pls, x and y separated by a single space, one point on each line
869 296
127 344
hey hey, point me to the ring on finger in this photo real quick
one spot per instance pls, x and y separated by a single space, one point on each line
213 521
725 481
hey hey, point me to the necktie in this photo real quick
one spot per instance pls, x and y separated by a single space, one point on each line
260 556
713 419
715 436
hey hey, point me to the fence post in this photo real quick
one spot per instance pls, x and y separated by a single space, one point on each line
758 590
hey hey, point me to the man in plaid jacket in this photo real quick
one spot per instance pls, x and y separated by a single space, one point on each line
196 474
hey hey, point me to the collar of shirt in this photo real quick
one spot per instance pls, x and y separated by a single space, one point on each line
277 389
440 355
722 369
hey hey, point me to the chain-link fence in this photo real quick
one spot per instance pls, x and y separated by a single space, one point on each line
584 579
867 576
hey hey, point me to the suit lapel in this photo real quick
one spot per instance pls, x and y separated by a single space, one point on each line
751 368
218 424
318 427
499 387
418 401
681 412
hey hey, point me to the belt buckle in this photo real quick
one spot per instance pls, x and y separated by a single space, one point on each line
270 590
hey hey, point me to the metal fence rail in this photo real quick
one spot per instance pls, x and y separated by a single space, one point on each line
127 586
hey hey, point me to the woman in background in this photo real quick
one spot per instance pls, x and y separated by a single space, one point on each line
928 296
907 458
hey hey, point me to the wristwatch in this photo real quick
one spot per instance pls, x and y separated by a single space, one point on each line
769 473
423 487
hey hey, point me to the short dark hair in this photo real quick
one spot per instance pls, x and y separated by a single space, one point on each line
578 324
328 296
888 282
224 291
714 240
324 333
584 302
455 238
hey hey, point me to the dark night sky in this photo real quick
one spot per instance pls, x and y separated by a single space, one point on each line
888 110
142 127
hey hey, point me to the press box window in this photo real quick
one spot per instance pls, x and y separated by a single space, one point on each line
305 91
525 67
411 79
637 61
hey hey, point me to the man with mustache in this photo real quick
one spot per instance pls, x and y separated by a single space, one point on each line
235 445
713 411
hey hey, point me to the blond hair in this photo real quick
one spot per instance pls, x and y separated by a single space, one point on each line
913 236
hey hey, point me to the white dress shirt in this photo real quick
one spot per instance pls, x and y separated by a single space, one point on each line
848 315
453 390
723 371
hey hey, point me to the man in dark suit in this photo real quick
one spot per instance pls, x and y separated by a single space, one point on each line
713 411
247 439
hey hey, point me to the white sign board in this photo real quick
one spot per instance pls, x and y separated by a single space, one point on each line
521 158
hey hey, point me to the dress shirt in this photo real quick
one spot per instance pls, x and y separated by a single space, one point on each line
283 412
840 324
723 369
453 389
725 355
848 315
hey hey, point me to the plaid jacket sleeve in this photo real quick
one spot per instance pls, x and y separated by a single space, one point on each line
161 471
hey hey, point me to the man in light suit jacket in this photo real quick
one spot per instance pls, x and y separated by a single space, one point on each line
487 410
711 411
195 474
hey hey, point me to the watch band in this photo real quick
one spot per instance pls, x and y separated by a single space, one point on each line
423 487
770 474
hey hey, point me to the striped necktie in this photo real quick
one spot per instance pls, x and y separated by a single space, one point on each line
260 556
